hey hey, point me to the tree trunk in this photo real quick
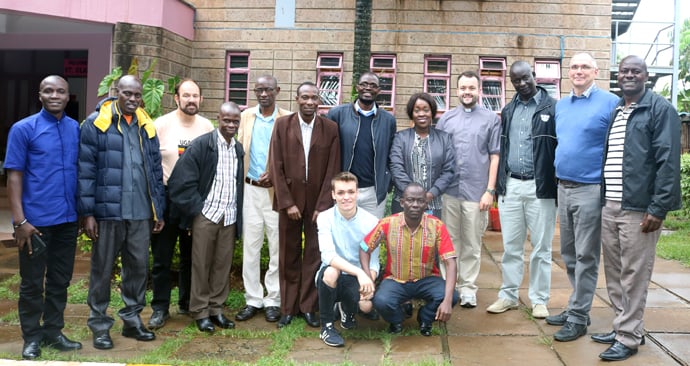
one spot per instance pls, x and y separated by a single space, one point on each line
362 44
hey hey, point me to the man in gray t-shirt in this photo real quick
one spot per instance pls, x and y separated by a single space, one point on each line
476 135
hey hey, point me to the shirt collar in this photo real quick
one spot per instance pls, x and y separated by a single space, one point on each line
587 92
45 114
363 112
535 97
260 116
304 124
222 142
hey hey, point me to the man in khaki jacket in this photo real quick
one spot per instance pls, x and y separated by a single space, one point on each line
257 127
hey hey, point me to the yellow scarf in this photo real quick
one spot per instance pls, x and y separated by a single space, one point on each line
105 119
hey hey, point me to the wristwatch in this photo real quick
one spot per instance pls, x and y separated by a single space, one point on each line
491 191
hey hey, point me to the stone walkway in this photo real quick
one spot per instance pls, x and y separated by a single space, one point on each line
471 337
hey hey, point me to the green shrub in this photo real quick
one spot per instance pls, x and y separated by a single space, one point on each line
685 183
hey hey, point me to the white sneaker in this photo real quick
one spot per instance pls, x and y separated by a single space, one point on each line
540 311
501 306
468 301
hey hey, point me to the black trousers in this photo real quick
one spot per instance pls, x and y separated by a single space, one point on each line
130 240
163 249
54 269
346 292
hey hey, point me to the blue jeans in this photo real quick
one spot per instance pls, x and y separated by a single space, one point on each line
520 210
391 294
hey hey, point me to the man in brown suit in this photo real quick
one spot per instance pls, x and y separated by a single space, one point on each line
304 156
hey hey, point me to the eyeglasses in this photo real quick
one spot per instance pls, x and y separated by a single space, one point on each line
581 67
262 90
365 85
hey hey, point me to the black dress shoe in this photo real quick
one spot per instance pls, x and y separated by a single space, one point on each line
395 328
205 325
31 350
246 313
570 332
312 320
221 321
272 313
617 352
158 319
140 333
424 328
102 340
61 343
561 318
609 338
284 321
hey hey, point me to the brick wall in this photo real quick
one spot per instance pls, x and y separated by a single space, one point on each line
172 52
466 30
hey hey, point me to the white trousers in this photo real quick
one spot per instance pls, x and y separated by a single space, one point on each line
258 217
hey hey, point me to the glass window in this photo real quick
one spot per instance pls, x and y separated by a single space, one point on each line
237 78
492 74
329 76
437 80
548 75
384 66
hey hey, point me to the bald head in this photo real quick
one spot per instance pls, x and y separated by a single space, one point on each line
522 78
128 94
228 120
53 92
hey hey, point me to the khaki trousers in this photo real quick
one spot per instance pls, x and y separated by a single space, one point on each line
211 260
628 264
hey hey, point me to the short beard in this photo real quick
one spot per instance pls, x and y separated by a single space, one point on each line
184 110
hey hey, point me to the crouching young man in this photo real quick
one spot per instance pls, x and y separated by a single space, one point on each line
341 282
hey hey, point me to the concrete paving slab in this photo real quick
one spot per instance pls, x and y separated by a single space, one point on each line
667 320
501 350
662 298
683 293
415 349
225 347
512 322
583 351
677 344
314 350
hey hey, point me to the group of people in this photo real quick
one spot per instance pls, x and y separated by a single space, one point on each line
315 186
609 168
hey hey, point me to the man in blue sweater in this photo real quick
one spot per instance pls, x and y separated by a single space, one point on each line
582 119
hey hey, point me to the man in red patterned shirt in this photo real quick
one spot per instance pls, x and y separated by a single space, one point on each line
414 240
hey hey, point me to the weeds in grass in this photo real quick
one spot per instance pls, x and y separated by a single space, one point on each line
8 288
10 318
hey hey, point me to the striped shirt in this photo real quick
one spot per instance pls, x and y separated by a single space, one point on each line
613 163
411 255
221 202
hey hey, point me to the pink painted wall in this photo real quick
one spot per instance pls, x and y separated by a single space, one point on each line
98 45
173 15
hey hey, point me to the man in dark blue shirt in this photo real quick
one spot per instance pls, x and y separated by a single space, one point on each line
42 183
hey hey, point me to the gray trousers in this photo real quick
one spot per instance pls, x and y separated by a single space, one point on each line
628 263
579 211
212 250
129 239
